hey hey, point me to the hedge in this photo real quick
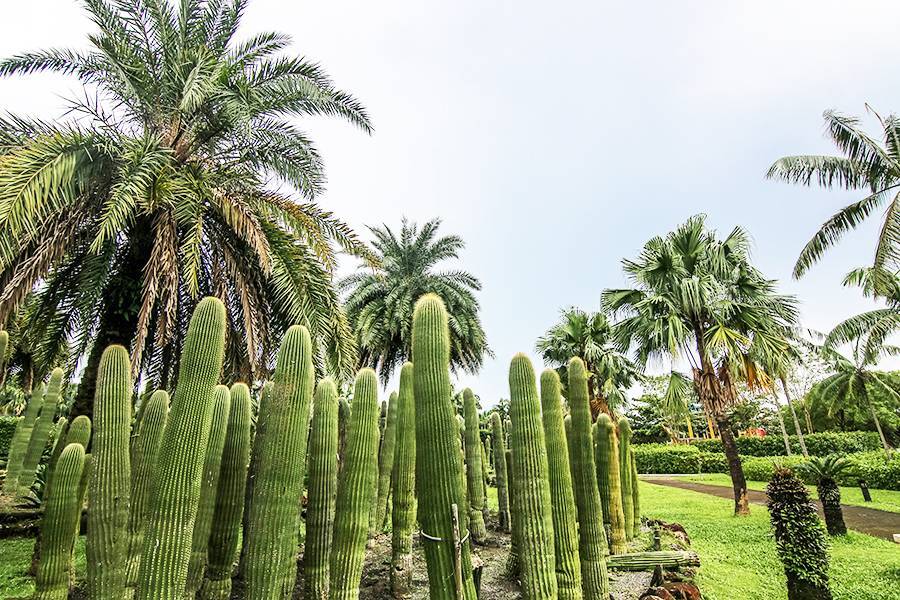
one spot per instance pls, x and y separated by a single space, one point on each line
818 444
7 428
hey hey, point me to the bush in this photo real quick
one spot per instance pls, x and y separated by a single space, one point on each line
7 428
818 444
761 468
874 468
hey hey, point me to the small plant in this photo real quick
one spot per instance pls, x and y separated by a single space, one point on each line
825 471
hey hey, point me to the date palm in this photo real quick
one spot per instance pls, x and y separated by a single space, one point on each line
180 174
380 300
698 299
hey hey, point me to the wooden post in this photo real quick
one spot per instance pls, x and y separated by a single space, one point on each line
864 488
457 553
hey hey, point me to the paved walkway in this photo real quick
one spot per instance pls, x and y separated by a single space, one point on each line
877 523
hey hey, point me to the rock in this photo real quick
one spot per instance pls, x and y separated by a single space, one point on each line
683 591
657 593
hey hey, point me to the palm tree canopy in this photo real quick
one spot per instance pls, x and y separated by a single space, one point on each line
180 164
825 467
380 300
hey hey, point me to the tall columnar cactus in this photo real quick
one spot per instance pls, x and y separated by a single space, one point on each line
323 441
385 467
79 431
179 468
281 440
565 528
226 527
635 494
18 446
625 475
40 435
607 454
403 516
59 526
499 441
212 467
4 350
439 470
530 471
592 538
485 513
474 474
144 453
343 424
513 566
109 486
356 490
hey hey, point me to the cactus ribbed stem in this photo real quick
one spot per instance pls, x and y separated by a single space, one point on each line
474 474
607 455
671 560
485 513
592 537
356 490
281 441
212 467
565 528
144 453
79 431
226 528
343 424
625 476
323 441
40 435
18 446
635 494
179 468
403 516
513 567
499 441
385 467
59 526
440 479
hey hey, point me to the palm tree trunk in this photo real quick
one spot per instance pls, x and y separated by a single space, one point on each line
735 468
784 433
690 427
796 420
884 442
808 418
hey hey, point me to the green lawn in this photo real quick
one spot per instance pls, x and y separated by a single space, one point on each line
738 554
15 556
888 500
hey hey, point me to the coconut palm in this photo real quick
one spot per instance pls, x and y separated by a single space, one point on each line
380 300
825 471
698 299
589 336
180 174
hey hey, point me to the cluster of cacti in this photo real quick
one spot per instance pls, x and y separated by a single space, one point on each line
625 476
474 472
499 442
607 455
385 467
40 434
403 516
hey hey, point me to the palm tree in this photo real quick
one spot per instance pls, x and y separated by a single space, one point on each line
866 164
589 336
179 175
698 299
825 471
380 300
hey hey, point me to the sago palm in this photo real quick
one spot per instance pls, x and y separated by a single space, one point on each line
181 174
824 471
380 300
698 299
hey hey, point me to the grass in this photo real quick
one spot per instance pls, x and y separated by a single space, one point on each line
15 556
738 555
888 500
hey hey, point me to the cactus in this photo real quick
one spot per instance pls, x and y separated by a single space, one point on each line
607 454
212 466
356 491
385 467
498 439
403 516
281 440
179 469
79 431
635 494
565 528
439 468
323 443
513 566
40 435
474 474
144 452
671 560
343 424
592 537
59 527
485 513
18 446
625 476
226 524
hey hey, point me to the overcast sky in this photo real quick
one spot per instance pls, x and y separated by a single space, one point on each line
557 138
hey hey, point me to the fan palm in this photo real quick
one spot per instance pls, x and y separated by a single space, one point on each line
380 300
698 299
589 336
825 471
179 175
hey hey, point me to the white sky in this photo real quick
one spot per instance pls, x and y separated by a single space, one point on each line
557 138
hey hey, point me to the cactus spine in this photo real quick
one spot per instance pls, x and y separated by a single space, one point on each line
607 453
565 529
635 494
226 525
403 516
323 443
40 435
356 490
439 469
209 489
474 473
498 439
179 469
59 526
281 441
593 547
109 485
625 475
19 444
385 467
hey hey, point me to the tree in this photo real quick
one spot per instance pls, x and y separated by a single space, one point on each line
380 300
589 336
698 299
157 191
825 471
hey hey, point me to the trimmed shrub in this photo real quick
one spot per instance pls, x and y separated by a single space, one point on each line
818 444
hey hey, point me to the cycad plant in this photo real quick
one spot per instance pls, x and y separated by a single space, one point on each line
825 471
